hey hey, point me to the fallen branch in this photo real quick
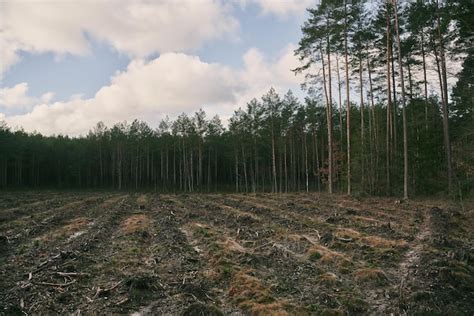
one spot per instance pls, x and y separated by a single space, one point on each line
122 301
261 246
286 250
102 291
55 284
72 274
311 240
345 239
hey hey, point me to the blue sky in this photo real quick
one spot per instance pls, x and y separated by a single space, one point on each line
56 58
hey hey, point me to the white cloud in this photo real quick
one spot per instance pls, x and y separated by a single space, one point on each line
167 85
137 28
261 73
16 97
281 8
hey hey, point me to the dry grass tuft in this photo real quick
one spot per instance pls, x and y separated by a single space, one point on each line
370 275
139 223
76 225
249 294
327 256
142 201
347 233
112 201
379 242
327 278
367 219
231 245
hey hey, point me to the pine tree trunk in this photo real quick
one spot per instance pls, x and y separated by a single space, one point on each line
425 81
256 162
348 110
274 173
329 121
362 124
373 127
405 132
306 161
286 169
389 108
236 171
245 169
340 99
447 142
318 173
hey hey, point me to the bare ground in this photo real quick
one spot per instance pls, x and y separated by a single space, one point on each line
214 254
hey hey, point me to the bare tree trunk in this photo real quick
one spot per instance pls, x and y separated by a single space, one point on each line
389 106
256 162
329 115
280 170
245 169
191 178
405 136
373 128
209 169
348 110
200 176
236 171
394 103
340 98
362 124
136 168
317 160
274 173
215 170
306 161
424 78
438 67
286 170
174 167
410 82
447 142
101 165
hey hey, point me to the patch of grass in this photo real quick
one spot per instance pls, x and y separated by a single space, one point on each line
328 256
354 305
141 286
379 242
315 256
371 275
136 224
327 278
319 310
199 309
203 232
22 249
249 294
347 233
226 268
74 226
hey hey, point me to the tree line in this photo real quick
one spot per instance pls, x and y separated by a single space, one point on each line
373 121
385 48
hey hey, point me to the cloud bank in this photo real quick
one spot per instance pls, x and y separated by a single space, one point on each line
168 85
176 81
137 28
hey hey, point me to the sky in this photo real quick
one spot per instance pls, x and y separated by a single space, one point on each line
67 64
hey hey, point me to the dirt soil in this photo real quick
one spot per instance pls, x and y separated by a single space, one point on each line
215 254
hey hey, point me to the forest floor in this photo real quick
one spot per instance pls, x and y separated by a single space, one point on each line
214 254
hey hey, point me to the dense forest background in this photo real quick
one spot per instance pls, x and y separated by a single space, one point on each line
380 118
